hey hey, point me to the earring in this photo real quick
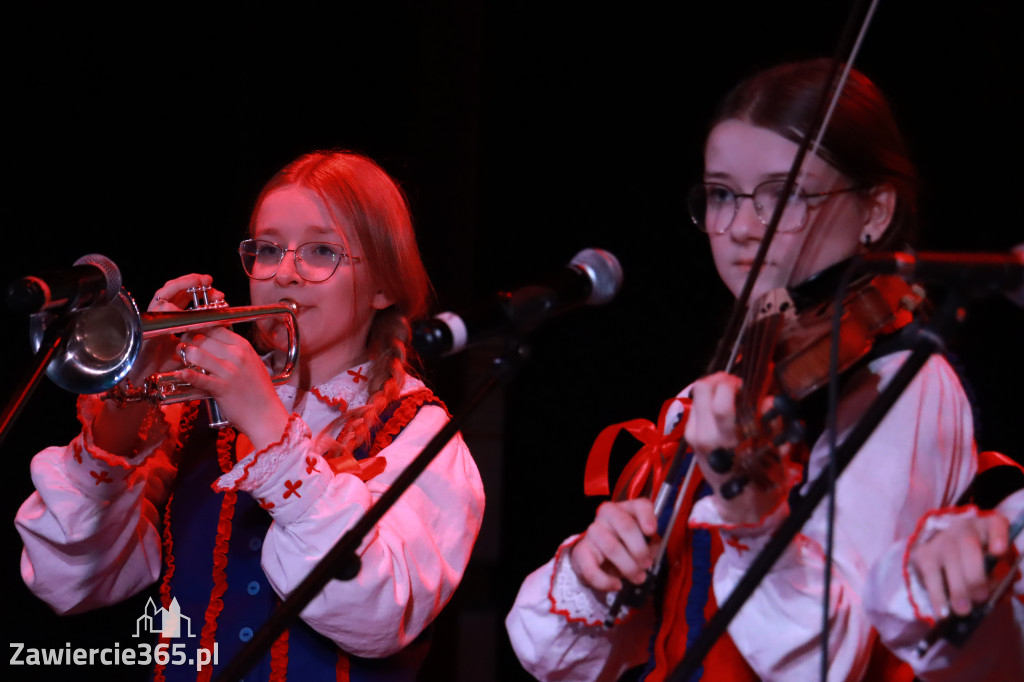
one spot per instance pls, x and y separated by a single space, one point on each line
866 240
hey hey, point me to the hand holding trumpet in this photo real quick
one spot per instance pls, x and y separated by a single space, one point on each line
207 358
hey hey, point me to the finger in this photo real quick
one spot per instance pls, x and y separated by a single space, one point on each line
929 572
587 565
701 432
638 554
174 293
723 405
997 530
712 420
971 560
642 511
617 537
613 555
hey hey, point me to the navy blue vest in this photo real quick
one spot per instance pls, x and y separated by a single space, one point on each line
248 599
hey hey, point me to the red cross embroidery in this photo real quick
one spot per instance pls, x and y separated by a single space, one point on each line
292 488
101 477
311 466
357 375
734 542
266 505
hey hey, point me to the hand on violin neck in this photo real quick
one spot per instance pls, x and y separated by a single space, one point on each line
713 426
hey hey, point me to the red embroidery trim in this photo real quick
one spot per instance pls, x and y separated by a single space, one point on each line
255 457
101 477
112 460
342 668
293 488
168 542
734 542
165 584
225 439
338 402
279 659
410 406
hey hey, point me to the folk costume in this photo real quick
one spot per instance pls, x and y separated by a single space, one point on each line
226 530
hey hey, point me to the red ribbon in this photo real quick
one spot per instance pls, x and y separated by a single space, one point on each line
646 469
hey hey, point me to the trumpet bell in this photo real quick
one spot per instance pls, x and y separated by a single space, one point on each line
101 343
99 348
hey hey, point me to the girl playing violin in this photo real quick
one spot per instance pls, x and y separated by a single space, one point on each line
856 193
229 520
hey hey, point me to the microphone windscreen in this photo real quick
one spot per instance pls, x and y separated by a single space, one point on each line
110 273
604 271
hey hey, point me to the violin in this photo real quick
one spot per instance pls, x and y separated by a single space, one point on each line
786 354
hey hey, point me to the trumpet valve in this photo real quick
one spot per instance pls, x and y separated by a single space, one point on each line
201 300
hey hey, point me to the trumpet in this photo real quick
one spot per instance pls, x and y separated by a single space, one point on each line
103 341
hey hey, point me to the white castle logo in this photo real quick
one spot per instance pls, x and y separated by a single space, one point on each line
169 620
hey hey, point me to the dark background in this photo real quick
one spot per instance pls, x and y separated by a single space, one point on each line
523 132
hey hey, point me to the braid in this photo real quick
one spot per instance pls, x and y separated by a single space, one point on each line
387 345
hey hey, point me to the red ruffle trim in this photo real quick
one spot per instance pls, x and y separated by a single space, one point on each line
110 459
279 659
405 413
343 667
225 439
255 457
165 585
338 402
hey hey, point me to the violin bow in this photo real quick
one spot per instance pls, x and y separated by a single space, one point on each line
853 35
725 353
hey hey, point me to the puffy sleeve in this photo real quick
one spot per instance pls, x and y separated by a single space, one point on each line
556 627
920 457
91 530
411 562
898 607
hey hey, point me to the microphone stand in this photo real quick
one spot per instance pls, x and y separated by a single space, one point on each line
928 340
341 562
51 342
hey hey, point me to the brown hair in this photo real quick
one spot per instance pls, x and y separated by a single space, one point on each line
862 139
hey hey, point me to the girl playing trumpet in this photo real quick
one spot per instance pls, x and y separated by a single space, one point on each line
227 521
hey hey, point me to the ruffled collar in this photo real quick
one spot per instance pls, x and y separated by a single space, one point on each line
345 391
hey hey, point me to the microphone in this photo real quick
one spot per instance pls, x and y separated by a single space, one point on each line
979 273
92 279
593 277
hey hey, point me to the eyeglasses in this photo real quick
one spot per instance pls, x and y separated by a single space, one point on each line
314 261
713 207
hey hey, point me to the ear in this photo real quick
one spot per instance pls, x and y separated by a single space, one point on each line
880 206
381 300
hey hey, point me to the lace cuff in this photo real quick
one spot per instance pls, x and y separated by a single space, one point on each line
574 600
286 477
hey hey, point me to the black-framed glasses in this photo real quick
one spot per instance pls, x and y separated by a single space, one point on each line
314 261
713 207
